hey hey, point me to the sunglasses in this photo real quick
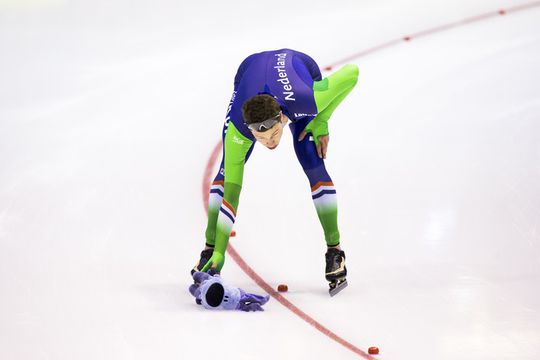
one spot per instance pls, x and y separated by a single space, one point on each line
264 125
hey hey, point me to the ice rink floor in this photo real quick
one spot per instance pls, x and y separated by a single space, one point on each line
109 111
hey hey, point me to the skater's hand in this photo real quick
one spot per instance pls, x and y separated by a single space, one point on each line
321 137
321 144
322 147
215 262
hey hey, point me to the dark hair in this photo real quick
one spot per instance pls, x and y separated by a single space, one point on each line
260 108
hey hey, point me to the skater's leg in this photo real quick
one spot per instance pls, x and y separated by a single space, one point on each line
323 192
324 198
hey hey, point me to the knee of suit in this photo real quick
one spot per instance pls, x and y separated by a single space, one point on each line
317 174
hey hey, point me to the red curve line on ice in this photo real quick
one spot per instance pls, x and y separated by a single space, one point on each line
259 280
216 152
434 30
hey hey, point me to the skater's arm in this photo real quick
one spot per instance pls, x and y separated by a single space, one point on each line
329 93
236 147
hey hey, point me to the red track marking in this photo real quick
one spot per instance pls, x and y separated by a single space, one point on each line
263 284
283 301
434 30
216 151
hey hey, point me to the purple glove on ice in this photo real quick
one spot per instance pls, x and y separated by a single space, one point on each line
210 292
251 302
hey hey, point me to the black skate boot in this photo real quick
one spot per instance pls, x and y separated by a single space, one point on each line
205 256
336 271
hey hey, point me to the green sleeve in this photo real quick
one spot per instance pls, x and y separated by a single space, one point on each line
329 93
236 148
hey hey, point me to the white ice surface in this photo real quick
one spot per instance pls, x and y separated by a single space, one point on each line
109 111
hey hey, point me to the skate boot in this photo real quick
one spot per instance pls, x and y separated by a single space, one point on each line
205 256
336 271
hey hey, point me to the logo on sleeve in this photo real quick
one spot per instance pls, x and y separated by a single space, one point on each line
237 140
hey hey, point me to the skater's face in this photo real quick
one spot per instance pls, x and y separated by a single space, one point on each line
271 137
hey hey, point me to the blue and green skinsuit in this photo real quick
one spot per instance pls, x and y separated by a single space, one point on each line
308 100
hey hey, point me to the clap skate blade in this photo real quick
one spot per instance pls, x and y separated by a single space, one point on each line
337 286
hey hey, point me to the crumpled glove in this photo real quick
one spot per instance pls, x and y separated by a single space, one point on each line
250 307
230 298
218 259
251 302
198 278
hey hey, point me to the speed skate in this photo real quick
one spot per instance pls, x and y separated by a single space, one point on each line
336 271
337 286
